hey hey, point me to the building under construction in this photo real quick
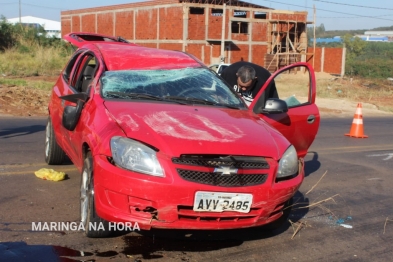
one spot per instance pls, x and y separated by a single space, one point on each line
212 30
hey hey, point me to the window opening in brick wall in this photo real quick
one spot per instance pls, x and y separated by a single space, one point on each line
240 14
197 11
260 15
217 12
239 27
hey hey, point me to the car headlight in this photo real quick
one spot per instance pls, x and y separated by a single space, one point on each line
288 164
135 156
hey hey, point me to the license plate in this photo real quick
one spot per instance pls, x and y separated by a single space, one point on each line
220 202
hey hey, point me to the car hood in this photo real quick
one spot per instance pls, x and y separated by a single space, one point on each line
181 129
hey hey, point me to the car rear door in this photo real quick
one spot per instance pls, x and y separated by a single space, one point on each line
296 85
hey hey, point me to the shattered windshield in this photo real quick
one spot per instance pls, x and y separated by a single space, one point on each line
184 86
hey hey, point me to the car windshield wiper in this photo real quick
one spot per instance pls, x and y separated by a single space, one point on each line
141 96
132 95
198 101
190 99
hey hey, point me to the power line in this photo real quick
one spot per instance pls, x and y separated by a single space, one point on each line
362 6
351 16
359 16
47 7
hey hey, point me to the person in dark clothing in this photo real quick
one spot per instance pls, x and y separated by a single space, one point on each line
247 79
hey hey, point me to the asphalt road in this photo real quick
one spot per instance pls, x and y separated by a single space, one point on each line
344 207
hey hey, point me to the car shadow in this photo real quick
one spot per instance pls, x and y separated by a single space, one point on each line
312 165
149 244
21 131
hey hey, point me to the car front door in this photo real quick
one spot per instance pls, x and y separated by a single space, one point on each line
296 86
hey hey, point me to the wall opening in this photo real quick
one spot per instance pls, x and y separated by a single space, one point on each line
240 14
197 11
260 15
239 27
217 12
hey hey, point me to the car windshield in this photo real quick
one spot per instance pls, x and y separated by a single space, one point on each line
184 86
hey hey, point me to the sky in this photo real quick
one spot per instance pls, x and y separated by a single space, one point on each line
333 14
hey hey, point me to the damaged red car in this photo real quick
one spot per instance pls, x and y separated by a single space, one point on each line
162 140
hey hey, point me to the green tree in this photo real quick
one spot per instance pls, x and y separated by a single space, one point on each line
355 46
7 34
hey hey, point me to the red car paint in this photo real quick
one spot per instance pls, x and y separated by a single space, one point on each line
174 130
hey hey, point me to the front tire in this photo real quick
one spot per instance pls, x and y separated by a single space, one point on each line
54 155
94 226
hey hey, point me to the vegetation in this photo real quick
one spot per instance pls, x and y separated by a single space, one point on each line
364 59
27 51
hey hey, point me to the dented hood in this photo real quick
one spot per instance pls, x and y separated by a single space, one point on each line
180 129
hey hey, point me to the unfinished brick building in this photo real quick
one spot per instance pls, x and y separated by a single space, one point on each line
212 30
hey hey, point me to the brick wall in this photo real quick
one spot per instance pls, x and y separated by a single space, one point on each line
89 23
258 54
169 46
259 31
332 59
75 24
105 23
171 23
196 26
125 24
159 24
316 61
146 21
239 54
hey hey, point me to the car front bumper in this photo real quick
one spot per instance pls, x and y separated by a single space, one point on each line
156 202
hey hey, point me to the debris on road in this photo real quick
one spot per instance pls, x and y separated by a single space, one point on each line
50 174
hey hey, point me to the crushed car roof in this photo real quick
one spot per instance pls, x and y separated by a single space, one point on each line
119 56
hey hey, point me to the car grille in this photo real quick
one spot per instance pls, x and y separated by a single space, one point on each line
217 179
241 162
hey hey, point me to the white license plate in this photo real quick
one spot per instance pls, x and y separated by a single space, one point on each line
220 202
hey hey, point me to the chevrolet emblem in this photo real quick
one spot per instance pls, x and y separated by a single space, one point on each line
225 170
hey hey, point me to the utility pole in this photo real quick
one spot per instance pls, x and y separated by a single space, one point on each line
20 13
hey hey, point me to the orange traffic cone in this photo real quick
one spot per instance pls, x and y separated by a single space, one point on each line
357 124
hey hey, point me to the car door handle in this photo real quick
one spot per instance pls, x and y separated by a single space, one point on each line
310 119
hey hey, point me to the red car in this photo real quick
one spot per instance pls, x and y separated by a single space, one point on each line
161 140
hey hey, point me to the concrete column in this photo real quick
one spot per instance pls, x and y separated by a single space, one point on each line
185 27
114 23
134 22
222 58
322 59
158 27
343 61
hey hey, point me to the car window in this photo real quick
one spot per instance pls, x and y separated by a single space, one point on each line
68 70
193 83
84 72
214 67
293 86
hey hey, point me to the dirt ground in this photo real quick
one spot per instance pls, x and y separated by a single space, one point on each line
27 101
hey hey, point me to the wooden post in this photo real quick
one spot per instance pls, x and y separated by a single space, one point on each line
313 57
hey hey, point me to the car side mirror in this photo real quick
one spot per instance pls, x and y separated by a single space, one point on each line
71 114
274 106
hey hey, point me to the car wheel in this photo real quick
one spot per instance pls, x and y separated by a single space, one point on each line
54 155
94 226
281 220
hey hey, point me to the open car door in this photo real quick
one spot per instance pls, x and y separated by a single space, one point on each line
294 113
80 39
